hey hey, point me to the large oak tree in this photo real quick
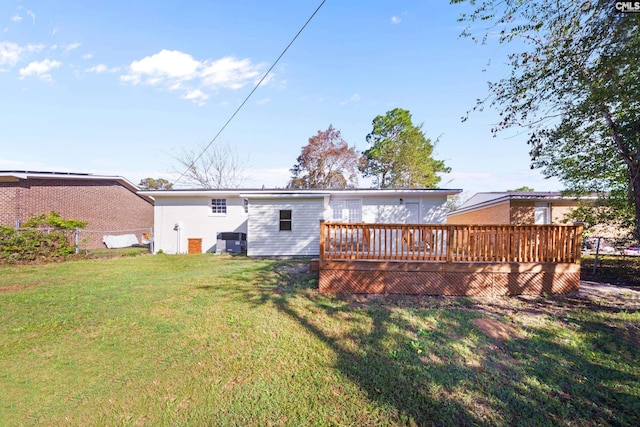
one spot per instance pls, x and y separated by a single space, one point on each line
574 85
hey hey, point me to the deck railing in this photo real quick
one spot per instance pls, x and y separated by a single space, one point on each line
451 243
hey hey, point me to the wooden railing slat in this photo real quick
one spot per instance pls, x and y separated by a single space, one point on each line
451 243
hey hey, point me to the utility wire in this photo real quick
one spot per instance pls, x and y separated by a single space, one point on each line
251 93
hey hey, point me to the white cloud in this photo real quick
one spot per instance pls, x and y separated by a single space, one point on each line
196 96
101 68
167 65
32 15
68 48
230 73
16 18
396 19
178 71
11 53
354 98
87 56
263 101
40 69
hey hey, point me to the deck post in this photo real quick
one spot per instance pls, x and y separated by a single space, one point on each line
322 238
450 231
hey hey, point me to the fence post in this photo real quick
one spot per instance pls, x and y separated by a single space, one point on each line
595 260
76 239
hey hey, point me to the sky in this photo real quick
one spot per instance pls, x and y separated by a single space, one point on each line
124 87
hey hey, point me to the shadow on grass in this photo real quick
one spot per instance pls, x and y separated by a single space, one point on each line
422 359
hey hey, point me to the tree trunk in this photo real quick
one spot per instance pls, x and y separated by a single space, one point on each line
635 186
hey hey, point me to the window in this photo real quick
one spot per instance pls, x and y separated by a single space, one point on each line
542 214
245 205
354 211
219 206
337 208
347 210
285 220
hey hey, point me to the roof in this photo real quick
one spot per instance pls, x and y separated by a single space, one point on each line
483 200
297 193
15 176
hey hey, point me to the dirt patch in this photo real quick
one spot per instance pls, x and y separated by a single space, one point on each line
288 276
495 329
11 288
611 295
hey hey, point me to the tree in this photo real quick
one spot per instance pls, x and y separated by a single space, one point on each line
574 86
155 184
215 167
326 161
454 202
523 189
400 155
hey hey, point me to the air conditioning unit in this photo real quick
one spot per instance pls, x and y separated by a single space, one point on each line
231 243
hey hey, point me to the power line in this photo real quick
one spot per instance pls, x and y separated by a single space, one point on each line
251 93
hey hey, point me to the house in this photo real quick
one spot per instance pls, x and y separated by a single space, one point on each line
516 208
280 222
109 204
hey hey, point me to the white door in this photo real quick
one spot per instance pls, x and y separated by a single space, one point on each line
542 214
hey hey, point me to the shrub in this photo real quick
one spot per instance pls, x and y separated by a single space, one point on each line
45 237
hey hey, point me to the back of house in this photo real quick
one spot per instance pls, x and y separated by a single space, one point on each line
280 222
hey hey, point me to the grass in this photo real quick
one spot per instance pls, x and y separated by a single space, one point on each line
616 269
220 340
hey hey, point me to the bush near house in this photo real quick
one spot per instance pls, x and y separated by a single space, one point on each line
43 237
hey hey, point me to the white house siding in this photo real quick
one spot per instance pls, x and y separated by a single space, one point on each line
196 220
434 210
390 210
264 237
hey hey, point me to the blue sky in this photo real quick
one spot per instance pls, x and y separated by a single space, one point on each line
121 87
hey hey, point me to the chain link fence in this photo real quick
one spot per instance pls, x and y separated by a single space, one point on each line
610 246
86 240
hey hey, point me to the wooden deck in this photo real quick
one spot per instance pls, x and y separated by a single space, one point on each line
449 259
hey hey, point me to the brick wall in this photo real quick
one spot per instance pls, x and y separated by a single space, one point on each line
523 212
103 204
514 212
498 214
560 211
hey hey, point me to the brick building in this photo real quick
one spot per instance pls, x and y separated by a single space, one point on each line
107 203
513 208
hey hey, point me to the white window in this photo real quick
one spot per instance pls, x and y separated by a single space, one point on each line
337 207
347 210
542 213
219 206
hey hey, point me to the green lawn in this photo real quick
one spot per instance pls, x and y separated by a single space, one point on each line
219 340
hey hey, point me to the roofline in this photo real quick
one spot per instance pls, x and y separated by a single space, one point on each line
18 175
294 193
542 196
